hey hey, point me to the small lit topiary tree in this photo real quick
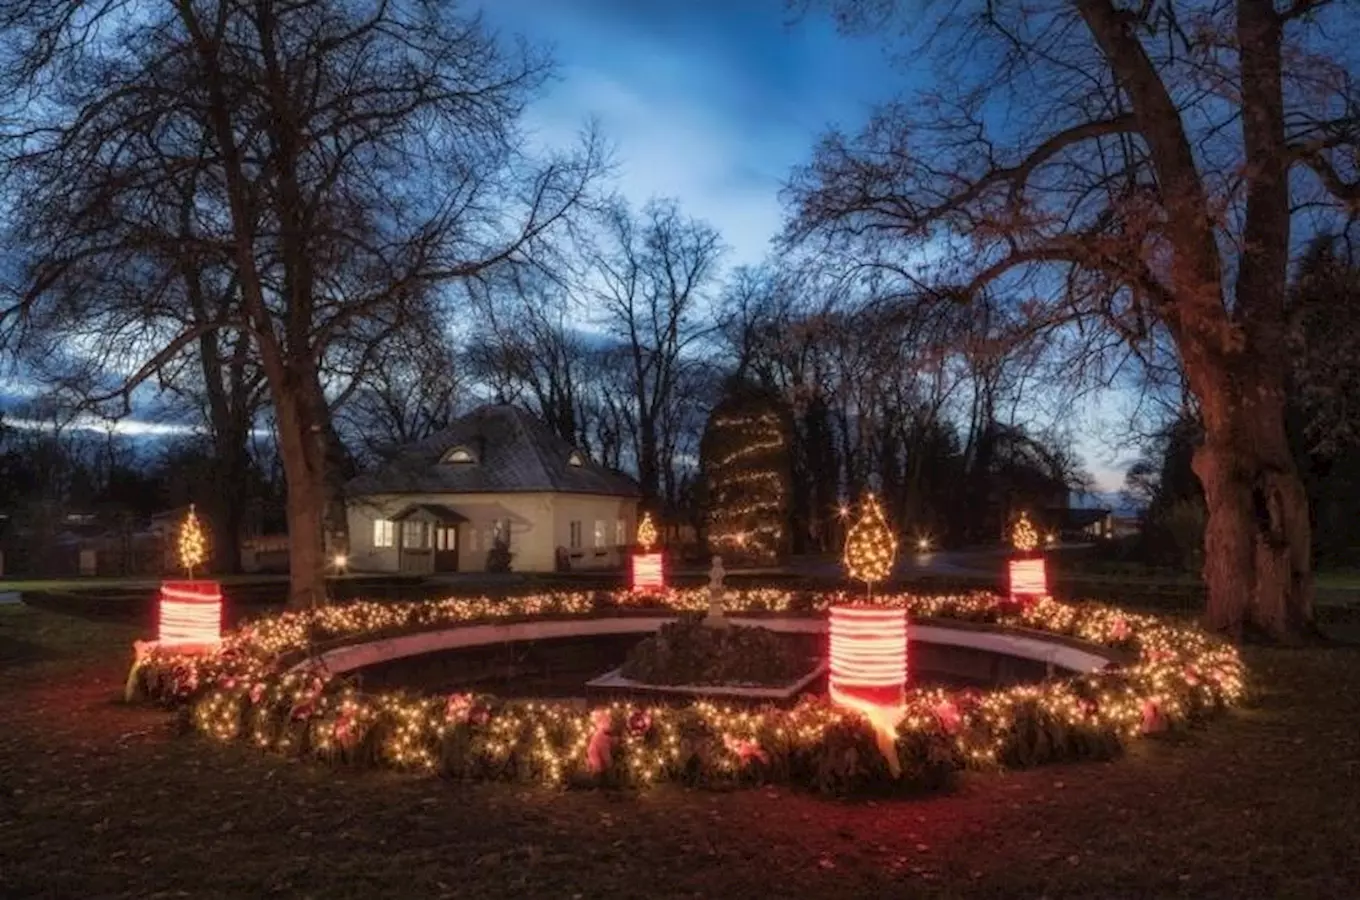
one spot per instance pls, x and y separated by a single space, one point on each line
1024 536
193 543
646 533
870 547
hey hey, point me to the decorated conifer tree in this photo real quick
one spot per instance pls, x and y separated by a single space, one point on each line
871 546
746 462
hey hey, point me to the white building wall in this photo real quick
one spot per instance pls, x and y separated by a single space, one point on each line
591 510
539 524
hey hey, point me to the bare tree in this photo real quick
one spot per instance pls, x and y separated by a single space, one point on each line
654 272
1132 166
356 160
413 390
527 346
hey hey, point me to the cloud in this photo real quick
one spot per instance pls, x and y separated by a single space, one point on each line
710 103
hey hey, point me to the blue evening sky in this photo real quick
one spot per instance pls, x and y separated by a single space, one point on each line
714 102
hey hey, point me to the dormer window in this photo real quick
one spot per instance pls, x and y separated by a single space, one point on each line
459 455
577 458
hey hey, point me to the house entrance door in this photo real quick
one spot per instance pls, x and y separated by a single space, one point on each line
446 548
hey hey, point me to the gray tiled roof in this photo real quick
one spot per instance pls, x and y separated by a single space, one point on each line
514 450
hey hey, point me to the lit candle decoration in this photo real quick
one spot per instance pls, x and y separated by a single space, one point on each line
869 667
190 614
1028 573
649 572
649 569
1029 579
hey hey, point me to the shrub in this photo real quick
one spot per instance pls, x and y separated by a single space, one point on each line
499 556
689 652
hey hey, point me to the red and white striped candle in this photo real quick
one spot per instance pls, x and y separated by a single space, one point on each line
868 656
190 614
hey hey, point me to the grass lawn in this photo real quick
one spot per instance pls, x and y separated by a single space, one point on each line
98 799
129 582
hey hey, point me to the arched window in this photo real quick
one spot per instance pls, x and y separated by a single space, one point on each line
459 455
577 458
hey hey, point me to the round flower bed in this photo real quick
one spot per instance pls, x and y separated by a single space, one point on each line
254 689
687 651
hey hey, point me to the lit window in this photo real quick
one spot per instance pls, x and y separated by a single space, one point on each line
383 532
415 535
459 455
500 531
446 539
620 533
599 534
576 458
575 541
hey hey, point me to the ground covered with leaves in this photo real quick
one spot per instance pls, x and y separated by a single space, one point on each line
99 799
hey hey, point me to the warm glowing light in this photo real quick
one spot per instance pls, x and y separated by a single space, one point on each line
1029 579
843 511
341 561
1175 674
190 614
868 646
923 544
193 543
1051 539
1024 536
649 572
646 533
870 547
869 668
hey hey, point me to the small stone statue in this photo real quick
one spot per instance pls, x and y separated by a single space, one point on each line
716 593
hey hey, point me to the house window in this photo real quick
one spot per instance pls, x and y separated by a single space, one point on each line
576 459
500 531
476 534
575 542
459 455
383 532
620 533
599 534
415 535
446 538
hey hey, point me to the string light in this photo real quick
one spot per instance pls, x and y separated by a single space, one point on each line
868 653
747 486
646 533
193 543
1024 536
1176 672
870 547
1029 579
190 614
649 572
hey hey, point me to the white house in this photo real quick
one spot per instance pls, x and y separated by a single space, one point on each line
440 505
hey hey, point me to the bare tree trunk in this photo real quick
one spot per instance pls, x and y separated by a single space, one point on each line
1257 542
303 452
649 473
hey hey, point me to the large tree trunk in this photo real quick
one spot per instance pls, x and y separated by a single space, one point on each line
649 473
303 451
1257 542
